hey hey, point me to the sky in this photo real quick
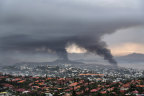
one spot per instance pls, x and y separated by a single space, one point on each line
50 29
126 41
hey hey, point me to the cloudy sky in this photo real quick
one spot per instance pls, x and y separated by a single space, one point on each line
35 28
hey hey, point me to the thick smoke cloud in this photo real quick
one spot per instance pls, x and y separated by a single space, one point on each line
29 25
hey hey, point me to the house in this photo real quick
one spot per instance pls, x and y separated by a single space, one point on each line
25 92
4 94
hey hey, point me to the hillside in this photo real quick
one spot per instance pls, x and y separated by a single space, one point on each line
134 57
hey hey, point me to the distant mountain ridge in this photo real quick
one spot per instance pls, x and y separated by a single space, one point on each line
56 62
134 57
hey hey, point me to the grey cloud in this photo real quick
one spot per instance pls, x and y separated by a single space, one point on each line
30 24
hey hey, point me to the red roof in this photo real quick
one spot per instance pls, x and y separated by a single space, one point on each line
16 79
103 92
139 85
73 84
135 92
7 85
94 90
20 90
122 91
